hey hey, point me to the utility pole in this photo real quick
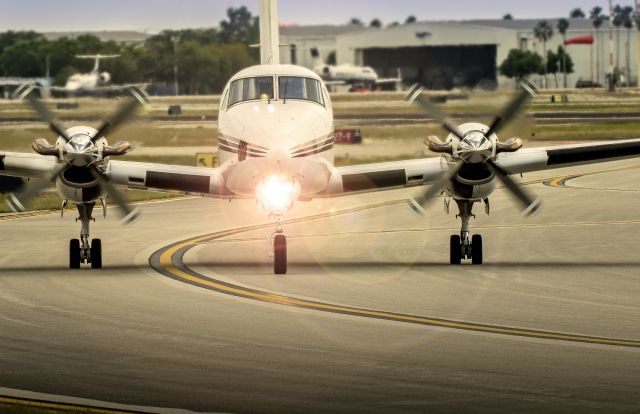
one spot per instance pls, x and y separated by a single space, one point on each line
175 39
611 74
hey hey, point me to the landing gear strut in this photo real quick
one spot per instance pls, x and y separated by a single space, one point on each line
80 251
462 246
279 249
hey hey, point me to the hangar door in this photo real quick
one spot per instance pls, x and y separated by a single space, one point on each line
436 67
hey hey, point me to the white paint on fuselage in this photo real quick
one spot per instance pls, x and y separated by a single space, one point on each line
292 137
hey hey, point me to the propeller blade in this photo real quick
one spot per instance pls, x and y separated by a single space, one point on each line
415 95
18 201
526 92
418 203
43 112
129 215
123 113
529 204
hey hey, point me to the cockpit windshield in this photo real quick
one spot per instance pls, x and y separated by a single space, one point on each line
295 87
250 89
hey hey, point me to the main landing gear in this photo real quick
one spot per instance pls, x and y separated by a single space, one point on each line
462 247
279 249
79 249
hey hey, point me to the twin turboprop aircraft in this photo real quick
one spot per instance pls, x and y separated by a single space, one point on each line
276 145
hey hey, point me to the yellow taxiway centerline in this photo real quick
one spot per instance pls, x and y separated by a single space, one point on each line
168 261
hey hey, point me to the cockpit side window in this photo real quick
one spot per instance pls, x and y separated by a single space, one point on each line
251 89
296 87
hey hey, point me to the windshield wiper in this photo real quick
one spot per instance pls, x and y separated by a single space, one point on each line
286 87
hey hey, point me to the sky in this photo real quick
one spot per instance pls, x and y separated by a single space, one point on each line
155 15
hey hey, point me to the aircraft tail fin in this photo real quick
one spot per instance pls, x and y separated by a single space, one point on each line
269 34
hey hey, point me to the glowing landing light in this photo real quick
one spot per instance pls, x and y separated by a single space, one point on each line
277 193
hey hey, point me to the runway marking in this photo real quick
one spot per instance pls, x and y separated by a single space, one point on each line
561 182
169 262
26 402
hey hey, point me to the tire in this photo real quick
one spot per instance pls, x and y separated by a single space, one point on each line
74 254
476 249
96 254
455 250
280 254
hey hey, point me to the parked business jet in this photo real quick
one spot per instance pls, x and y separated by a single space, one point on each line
276 146
356 76
92 80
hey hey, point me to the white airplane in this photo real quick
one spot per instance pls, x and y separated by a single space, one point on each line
353 75
92 80
276 146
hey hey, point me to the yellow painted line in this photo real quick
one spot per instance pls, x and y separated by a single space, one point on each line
168 257
22 402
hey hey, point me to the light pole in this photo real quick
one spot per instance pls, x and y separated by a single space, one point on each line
175 40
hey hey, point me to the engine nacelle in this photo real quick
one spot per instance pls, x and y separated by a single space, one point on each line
104 77
471 191
78 185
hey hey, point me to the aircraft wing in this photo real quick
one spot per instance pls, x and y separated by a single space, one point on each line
139 175
388 80
334 82
398 174
355 178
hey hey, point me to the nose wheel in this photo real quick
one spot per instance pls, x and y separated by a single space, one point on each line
280 254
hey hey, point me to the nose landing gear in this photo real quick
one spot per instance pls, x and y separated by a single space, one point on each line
279 248
462 247
79 249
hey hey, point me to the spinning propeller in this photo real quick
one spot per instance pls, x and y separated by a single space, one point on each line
80 148
473 148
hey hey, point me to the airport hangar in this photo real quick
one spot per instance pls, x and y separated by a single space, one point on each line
448 54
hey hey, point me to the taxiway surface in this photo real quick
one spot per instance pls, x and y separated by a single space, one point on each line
131 334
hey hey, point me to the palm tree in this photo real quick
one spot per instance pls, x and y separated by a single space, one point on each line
619 15
577 13
563 25
597 19
375 23
543 32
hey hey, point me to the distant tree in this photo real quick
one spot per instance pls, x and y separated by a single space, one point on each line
394 24
375 23
507 16
577 13
355 22
543 32
23 58
563 26
521 63
411 19
597 19
559 61
240 27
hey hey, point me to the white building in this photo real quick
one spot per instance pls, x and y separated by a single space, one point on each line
442 55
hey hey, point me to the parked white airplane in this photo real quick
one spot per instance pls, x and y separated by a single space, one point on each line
276 145
351 74
92 80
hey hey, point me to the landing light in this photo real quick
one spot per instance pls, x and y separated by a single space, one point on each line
277 193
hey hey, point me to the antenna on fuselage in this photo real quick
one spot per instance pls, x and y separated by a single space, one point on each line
269 33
